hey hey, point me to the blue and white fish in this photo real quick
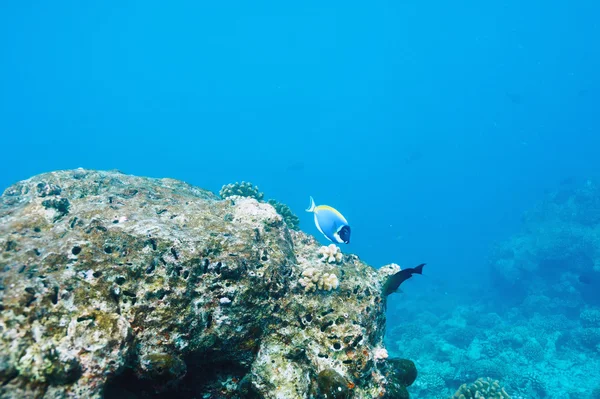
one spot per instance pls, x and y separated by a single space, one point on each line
330 223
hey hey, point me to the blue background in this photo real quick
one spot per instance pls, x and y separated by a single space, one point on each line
430 125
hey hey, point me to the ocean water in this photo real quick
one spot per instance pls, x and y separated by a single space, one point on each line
434 127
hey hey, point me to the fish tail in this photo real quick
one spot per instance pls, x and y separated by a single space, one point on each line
419 269
311 207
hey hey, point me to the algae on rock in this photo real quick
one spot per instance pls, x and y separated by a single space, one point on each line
120 284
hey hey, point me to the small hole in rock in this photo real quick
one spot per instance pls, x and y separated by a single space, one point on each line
76 250
337 346
108 250
120 280
54 295
97 273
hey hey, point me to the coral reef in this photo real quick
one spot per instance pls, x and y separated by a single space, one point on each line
243 189
484 388
535 325
246 189
331 254
558 250
533 352
313 278
116 285
292 221
590 318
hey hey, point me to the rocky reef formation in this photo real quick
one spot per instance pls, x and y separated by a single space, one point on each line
120 286
557 253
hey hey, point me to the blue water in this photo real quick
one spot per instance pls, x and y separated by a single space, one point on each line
432 126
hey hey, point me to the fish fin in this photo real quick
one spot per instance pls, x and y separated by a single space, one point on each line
392 283
337 237
319 227
419 269
311 207
334 211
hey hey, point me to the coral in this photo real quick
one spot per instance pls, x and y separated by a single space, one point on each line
536 383
589 337
292 221
380 354
430 382
331 254
389 270
559 247
460 337
492 367
590 318
484 388
120 285
489 320
243 189
533 351
246 189
313 279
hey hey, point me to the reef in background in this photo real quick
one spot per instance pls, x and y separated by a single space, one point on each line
557 253
122 286
534 326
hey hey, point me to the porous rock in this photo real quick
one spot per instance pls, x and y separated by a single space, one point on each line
115 285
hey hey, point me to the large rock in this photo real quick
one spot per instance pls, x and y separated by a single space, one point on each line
121 286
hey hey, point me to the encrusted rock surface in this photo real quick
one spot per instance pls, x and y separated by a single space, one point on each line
113 285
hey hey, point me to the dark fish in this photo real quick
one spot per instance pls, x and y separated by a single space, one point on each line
393 282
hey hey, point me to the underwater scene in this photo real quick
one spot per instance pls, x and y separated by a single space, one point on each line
272 200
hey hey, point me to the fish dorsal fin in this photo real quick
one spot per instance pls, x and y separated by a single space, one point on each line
311 207
331 209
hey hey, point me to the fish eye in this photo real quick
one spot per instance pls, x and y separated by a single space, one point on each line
345 234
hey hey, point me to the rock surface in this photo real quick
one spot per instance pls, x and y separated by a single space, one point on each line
120 286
